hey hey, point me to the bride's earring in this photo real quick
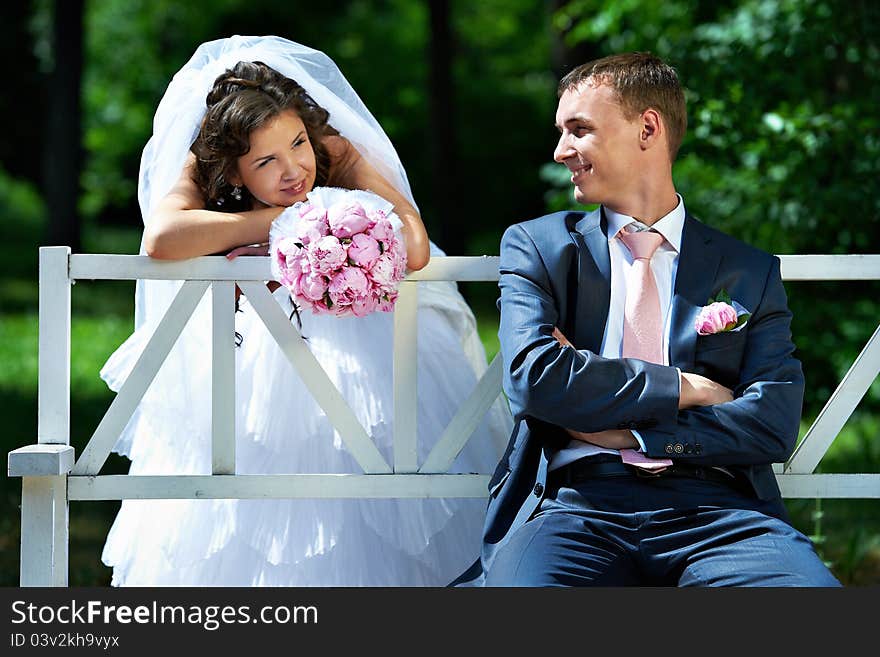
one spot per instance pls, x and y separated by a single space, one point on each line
236 193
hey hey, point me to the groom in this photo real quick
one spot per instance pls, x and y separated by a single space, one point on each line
647 421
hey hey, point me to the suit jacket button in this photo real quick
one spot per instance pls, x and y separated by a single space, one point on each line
539 489
698 449
669 449
679 448
688 448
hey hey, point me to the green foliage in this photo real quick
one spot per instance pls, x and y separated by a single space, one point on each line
122 85
21 201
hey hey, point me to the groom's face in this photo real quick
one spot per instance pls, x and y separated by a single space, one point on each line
598 144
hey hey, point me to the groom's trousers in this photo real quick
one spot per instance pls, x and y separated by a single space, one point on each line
614 527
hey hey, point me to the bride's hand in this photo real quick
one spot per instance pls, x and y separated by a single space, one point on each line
251 249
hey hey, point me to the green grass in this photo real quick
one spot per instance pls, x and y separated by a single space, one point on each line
847 531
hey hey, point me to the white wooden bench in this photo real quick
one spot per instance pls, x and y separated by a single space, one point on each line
52 478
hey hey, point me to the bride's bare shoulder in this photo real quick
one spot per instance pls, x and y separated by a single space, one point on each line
343 158
338 147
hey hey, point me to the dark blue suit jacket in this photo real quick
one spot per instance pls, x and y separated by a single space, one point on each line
556 272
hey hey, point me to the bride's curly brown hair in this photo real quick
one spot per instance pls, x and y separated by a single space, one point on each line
245 98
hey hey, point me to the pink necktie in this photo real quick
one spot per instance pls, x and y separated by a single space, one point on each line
642 326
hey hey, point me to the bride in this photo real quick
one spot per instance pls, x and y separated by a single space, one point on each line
280 120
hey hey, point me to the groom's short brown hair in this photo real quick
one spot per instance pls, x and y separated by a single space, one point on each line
640 80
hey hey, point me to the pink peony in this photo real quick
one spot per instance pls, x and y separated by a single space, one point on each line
309 212
383 272
363 306
312 225
386 302
312 286
340 259
363 250
286 251
347 219
398 253
326 254
715 317
382 231
347 285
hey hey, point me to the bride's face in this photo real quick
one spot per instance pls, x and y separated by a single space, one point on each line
279 169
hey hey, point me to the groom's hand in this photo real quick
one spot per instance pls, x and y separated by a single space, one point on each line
697 390
561 339
610 439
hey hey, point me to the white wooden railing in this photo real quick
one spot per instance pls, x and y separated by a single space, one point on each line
51 478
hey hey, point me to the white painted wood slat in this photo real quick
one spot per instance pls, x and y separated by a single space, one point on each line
405 379
849 267
838 410
466 420
830 486
218 268
205 268
458 268
117 416
288 486
223 377
328 397
43 531
61 531
53 392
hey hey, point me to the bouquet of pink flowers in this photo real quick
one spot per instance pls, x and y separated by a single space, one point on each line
340 252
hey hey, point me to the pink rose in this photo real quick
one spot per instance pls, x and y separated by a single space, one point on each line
347 285
326 254
363 250
347 219
715 317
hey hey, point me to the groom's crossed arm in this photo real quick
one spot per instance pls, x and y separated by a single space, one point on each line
575 389
579 390
761 424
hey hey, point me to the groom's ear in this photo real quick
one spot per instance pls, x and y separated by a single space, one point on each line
652 129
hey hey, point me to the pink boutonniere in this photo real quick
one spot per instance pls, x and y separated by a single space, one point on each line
720 315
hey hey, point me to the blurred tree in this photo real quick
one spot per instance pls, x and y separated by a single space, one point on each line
443 145
62 146
24 92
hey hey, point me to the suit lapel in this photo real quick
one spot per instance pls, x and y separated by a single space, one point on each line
593 281
697 266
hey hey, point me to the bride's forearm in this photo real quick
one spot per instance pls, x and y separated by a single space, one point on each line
418 250
190 233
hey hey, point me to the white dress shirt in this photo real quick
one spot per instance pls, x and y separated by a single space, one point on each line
664 266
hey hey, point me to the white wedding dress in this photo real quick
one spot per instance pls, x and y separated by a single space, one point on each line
280 429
